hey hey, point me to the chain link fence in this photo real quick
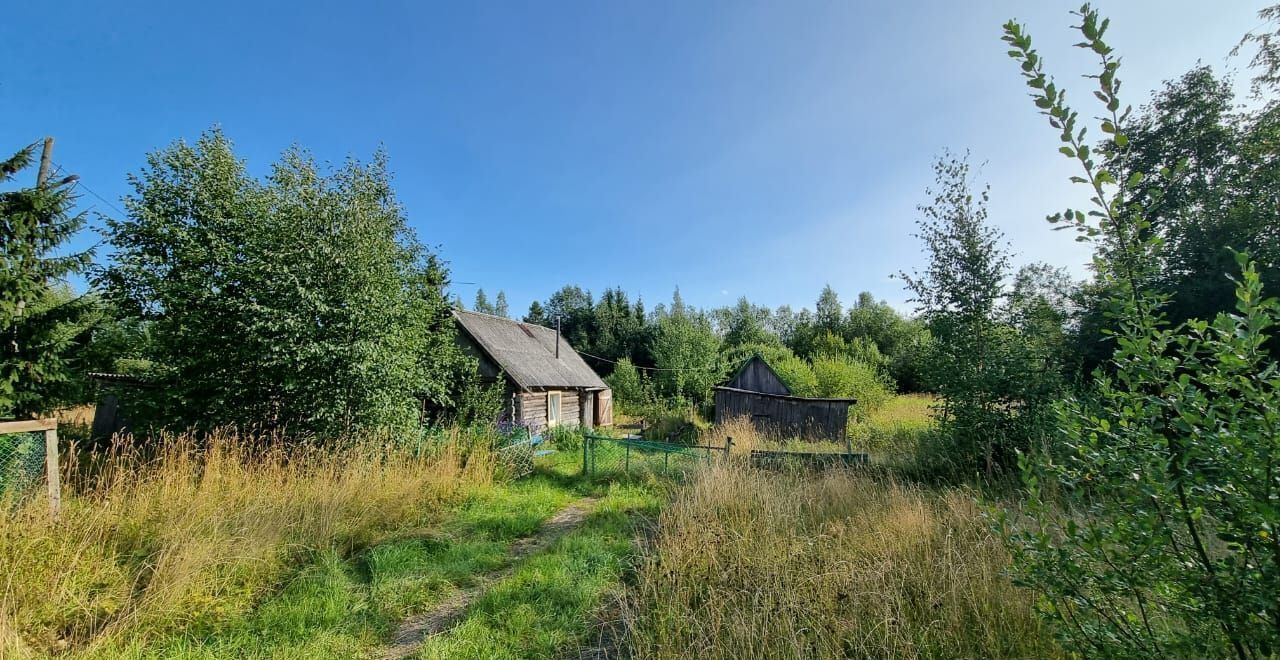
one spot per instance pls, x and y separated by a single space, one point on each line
515 458
22 457
603 456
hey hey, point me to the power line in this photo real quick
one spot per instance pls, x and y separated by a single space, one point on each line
81 184
603 359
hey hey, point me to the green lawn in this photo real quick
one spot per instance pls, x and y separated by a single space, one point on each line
343 607
546 609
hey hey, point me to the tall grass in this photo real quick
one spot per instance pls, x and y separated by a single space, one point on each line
893 434
754 564
186 535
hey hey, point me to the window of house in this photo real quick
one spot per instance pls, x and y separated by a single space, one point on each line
553 408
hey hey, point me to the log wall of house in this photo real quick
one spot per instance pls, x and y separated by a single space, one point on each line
569 413
533 408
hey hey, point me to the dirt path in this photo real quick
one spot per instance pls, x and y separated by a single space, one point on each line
445 614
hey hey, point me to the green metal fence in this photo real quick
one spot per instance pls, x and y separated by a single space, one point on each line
604 456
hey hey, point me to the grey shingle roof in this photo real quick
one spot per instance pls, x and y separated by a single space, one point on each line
527 352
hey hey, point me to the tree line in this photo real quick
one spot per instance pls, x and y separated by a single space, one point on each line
675 353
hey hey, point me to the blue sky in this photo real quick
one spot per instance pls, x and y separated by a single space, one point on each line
730 148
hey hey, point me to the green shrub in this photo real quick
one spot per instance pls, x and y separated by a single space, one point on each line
798 376
863 350
1149 528
629 386
672 427
841 377
564 438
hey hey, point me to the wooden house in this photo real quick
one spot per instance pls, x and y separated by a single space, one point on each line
546 382
757 393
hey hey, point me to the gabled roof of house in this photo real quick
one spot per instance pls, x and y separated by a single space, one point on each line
527 352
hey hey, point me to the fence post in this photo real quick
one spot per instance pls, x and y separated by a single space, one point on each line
51 469
627 469
586 440
728 444
49 428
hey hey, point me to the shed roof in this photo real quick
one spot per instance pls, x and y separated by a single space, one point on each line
527 352
785 397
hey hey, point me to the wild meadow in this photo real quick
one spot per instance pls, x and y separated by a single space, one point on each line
744 563
318 465
180 537
248 546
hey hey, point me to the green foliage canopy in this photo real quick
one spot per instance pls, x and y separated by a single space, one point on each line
995 389
302 301
1167 467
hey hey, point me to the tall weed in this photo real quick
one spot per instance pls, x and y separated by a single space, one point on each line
746 564
180 536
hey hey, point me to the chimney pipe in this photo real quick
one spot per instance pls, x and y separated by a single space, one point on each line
557 337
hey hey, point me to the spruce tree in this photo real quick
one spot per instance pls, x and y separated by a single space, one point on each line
537 315
500 305
482 303
40 321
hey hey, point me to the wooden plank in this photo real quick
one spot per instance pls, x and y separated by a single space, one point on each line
587 407
52 471
29 426
569 409
811 460
604 408
757 376
533 410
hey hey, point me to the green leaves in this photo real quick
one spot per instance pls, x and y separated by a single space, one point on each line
979 360
686 350
301 301
1173 447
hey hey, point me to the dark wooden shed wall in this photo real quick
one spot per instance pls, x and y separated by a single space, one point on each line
809 419
757 376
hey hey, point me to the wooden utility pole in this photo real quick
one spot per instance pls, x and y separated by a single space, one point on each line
46 159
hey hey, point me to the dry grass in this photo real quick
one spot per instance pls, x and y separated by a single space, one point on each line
746 436
752 564
187 536
82 415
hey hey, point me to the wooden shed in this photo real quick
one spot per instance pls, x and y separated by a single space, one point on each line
547 383
108 418
757 393
755 375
